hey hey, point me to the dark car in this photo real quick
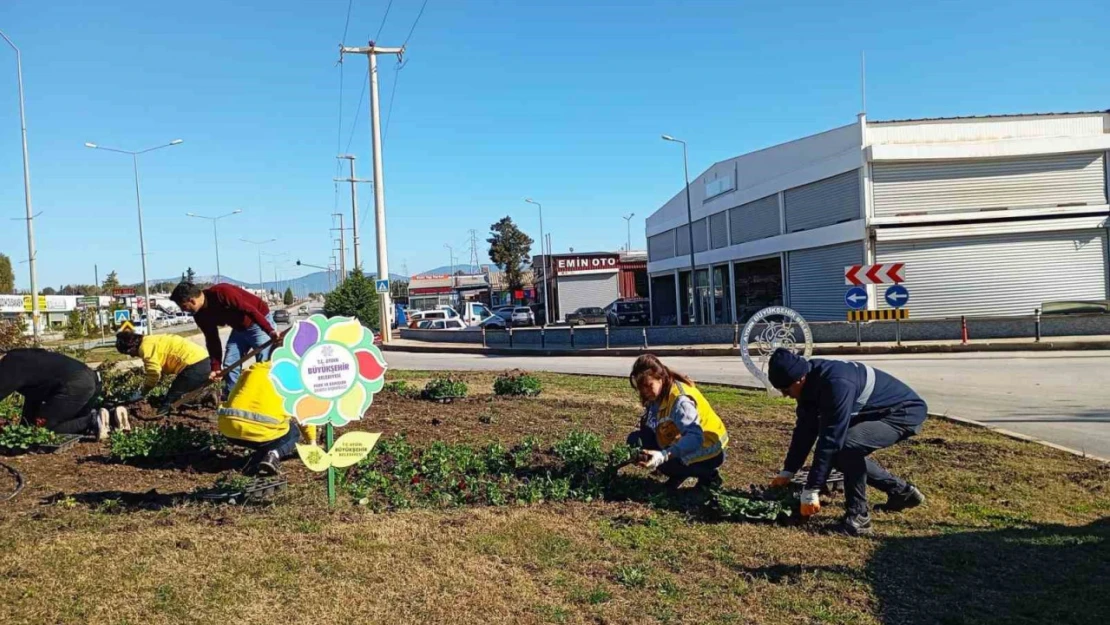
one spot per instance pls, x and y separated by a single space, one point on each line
281 316
588 315
628 312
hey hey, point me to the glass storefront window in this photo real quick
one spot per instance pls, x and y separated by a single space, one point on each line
758 285
722 295
663 304
703 295
686 292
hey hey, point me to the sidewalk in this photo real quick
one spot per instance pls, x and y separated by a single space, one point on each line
1058 343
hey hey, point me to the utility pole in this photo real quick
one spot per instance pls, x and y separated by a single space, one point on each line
259 244
354 205
372 52
342 249
628 223
451 251
27 196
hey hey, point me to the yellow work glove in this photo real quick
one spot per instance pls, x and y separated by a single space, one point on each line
811 503
782 479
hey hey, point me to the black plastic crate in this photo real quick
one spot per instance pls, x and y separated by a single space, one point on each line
65 441
257 490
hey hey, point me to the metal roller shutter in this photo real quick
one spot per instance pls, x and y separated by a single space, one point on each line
682 241
1002 274
590 290
661 246
823 203
975 184
718 230
701 236
816 279
756 220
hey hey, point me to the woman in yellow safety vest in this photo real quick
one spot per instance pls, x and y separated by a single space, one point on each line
254 417
167 354
680 434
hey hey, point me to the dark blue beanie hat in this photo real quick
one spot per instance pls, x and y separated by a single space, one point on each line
786 368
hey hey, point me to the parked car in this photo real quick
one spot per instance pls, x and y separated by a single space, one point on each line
426 315
522 316
587 315
446 324
628 312
505 312
473 313
281 316
494 322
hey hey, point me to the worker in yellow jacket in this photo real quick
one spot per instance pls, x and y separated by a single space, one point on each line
680 434
167 354
254 417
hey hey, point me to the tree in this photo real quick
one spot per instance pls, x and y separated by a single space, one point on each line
355 297
510 248
190 276
7 278
111 282
75 325
287 299
12 333
48 291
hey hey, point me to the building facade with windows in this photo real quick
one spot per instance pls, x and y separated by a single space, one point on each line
992 216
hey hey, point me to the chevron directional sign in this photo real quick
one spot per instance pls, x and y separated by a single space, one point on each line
884 273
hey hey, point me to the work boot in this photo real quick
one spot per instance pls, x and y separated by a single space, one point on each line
270 464
102 424
897 502
856 525
674 483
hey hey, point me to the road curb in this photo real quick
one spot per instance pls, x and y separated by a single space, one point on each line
1019 436
818 350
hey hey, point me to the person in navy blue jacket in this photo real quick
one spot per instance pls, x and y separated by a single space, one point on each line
850 410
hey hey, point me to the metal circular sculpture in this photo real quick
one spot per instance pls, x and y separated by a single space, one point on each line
768 330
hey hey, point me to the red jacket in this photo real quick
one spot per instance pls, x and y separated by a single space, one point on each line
229 305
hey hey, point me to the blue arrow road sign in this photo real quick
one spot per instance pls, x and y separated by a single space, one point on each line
382 286
856 298
897 296
122 315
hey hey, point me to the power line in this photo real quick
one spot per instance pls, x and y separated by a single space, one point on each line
415 22
358 110
392 95
387 7
347 22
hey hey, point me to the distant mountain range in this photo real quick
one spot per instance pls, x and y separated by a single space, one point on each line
317 282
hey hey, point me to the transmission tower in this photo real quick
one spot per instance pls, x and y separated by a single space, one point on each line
474 250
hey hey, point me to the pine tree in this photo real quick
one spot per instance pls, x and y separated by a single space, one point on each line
287 299
355 297
111 281
190 276
509 248
7 278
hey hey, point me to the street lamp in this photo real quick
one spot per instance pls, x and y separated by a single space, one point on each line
689 228
139 203
451 251
27 194
628 223
259 244
543 254
215 235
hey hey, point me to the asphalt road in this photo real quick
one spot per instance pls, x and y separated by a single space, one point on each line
1060 397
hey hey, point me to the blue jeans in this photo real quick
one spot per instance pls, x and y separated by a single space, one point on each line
285 446
239 343
644 438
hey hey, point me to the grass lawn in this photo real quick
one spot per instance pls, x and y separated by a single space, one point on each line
1013 532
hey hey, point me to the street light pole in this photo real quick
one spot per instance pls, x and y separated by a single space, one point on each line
689 229
27 194
259 244
139 204
215 235
546 306
628 224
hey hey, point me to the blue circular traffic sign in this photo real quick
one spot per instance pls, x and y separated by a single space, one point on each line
897 296
856 298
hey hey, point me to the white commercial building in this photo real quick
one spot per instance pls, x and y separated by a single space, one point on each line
992 216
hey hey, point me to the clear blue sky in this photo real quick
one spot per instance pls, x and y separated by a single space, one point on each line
562 101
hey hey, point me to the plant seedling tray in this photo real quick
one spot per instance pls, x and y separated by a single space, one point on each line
257 489
65 441
834 483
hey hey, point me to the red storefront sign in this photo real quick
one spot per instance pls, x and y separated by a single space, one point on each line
593 263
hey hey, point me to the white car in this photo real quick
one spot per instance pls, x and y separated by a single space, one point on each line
443 324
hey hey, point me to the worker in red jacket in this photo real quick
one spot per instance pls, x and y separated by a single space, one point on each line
249 317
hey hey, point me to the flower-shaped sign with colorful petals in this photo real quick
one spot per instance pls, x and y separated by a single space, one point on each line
328 370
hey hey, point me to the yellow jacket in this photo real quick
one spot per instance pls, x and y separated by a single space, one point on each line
253 411
668 431
167 354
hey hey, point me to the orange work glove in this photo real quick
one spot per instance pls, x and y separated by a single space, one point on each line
811 503
782 479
